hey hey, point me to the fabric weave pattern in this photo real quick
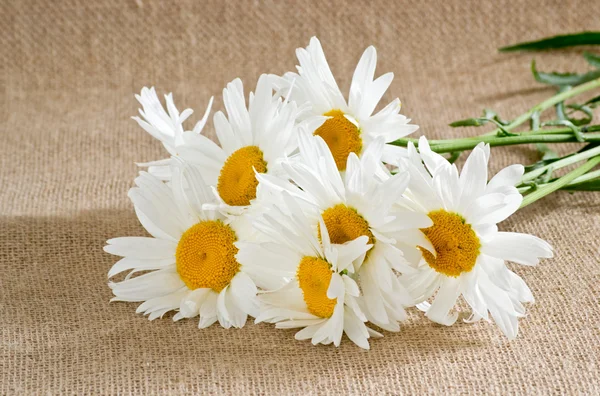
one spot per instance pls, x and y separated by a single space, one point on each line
68 73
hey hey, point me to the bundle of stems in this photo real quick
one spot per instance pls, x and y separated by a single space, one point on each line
571 123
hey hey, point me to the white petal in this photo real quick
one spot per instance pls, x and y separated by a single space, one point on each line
147 286
206 321
406 220
208 310
433 161
356 330
296 323
168 302
520 248
473 295
350 251
350 286
222 313
423 284
141 248
237 316
508 176
244 291
502 309
128 263
153 229
158 314
336 286
372 296
444 301
473 178
190 305
157 212
496 214
308 332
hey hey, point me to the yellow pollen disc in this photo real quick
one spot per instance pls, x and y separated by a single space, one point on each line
314 276
455 242
342 137
344 224
205 256
237 182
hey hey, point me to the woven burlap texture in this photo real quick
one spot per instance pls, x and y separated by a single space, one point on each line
69 70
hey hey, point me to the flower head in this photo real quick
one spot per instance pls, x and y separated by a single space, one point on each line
167 127
463 253
346 126
317 294
253 137
190 260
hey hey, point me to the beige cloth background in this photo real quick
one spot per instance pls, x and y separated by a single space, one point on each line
69 70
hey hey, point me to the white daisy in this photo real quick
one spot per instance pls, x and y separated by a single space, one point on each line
319 296
463 251
167 127
360 204
191 256
346 127
253 138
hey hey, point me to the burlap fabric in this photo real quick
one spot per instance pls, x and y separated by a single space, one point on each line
69 70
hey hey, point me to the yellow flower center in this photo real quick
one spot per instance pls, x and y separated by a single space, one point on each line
342 137
237 182
455 242
344 224
205 256
314 276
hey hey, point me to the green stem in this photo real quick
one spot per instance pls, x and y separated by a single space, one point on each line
587 177
546 104
547 131
553 131
581 179
454 145
529 176
448 146
561 182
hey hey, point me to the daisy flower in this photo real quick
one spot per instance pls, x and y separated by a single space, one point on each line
167 127
252 139
358 204
319 296
189 262
463 252
347 127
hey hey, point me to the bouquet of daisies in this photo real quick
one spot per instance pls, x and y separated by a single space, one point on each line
310 214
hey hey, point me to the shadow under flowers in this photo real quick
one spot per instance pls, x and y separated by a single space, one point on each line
58 325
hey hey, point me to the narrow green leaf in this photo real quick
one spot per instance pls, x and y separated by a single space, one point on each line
562 41
592 185
487 116
589 114
469 122
547 161
560 111
500 121
592 59
593 102
502 131
587 147
590 128
454 156
563 79
560 106
540 164
577 132
535 120
546 152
